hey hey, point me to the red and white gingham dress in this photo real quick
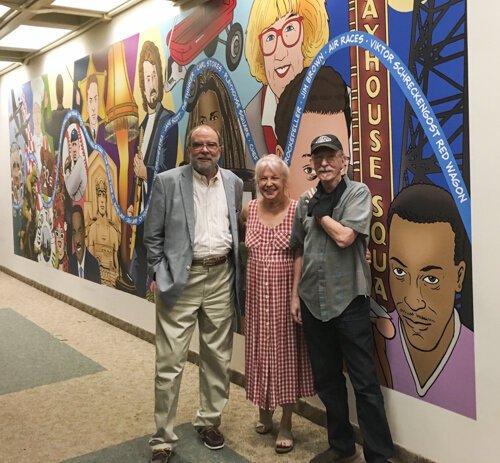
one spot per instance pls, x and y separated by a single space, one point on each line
277 367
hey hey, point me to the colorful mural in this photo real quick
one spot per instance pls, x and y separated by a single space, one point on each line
389 78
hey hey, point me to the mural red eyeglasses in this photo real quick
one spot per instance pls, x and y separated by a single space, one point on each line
289 33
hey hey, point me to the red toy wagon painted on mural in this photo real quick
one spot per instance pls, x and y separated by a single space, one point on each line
200 32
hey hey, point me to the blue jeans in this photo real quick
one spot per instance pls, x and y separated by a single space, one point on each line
348 338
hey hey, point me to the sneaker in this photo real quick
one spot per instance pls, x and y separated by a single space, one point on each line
333 456
161 456
212 438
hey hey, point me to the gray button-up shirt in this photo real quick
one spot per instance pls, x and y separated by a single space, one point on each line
331 276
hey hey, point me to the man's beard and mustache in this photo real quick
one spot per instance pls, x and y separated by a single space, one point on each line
153 99
79 250
201 165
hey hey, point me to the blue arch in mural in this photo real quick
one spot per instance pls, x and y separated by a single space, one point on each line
412 92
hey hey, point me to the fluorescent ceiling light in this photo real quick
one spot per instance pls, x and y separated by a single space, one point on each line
3 10
5 64
94 5
32 37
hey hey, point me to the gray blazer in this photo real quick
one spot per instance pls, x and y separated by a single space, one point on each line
169 229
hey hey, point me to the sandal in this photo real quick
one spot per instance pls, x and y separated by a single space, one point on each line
284 441
262 428
265 423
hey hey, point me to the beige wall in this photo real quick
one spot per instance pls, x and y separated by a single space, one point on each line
422 428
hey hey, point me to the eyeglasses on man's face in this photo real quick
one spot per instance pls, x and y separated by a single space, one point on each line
198 146
289 33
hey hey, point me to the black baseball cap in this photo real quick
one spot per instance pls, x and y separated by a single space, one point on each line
326 141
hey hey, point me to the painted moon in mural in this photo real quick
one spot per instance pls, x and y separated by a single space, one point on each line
404 6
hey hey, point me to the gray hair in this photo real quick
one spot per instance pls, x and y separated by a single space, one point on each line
274 163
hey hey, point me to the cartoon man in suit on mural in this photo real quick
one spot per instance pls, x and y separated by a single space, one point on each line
151 84
82 263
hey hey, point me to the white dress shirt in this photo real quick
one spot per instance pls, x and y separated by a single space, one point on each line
212 235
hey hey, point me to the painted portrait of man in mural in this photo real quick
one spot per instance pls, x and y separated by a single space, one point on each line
327 110
94 120
432 355
151 84
213 106
82 263
91 88
74 158
282 39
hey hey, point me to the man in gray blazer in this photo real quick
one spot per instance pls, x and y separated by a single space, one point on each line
191 237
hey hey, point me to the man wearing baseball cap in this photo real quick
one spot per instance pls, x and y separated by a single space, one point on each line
330 298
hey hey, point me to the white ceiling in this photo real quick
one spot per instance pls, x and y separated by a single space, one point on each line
58 20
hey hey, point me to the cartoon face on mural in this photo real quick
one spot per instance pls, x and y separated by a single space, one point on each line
150 76
78 233
150 84
425 277
281 46
209 111
102 197
282 38
60 240
212 106
327 111
93 100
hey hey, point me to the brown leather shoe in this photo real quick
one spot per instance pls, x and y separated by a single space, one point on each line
212 437
161 456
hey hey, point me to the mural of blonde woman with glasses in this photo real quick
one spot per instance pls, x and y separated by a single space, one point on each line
276 51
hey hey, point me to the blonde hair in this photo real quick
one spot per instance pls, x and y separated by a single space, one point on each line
274 163
264 13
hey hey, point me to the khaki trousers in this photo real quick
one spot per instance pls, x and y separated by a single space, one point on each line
209 299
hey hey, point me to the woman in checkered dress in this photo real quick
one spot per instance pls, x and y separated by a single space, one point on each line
277 367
